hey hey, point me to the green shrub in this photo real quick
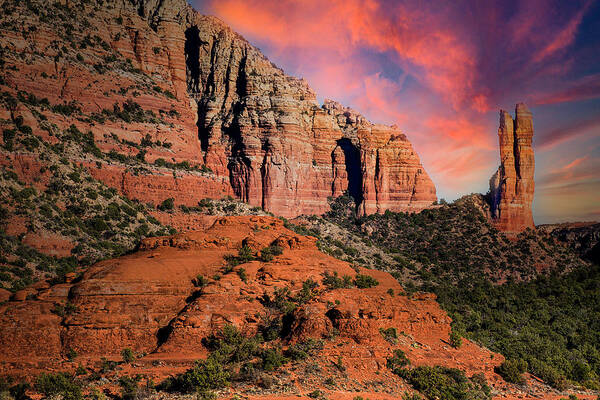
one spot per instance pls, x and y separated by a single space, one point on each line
205 203
127 355
397 361
129 387
307 293
245 254
81 370
107 365
207 375
455 339
268 253
200 281
64 309
242 274
272 359
512 371
202 394
548 374
270 327
444 383
303 350
71 354
61 384
411 396
167 204
316 394
365 281
230 346
329 381
389 334
97 224
8 136
228 349
335 282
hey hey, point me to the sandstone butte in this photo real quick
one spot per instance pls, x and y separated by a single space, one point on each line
512 186
147 301
262 133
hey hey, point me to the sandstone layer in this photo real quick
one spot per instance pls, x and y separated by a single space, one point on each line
206 97
512 186
147 301
150 301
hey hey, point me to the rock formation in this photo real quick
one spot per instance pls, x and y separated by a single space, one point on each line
280 149
148 301
261 133
512 186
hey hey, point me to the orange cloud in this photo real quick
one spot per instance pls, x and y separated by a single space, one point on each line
435 70
575 162
469 152
461 131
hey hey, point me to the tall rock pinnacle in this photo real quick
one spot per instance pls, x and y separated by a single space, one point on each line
512 186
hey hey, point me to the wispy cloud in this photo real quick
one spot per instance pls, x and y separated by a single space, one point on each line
564 37
587 87
590 127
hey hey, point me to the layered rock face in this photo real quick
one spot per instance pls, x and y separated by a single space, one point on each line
281 150
512 186
262 133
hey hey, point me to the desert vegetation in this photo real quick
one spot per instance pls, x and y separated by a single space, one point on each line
61 200
545 323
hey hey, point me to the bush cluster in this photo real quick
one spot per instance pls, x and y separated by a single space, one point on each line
233 356
512 370
445 383
61 384
551 321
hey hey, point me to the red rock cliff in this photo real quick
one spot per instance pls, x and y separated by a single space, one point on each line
512 186
280 149
260 131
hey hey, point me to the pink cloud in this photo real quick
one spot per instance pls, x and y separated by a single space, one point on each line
584 88
581 169
423 45
575 162
461 131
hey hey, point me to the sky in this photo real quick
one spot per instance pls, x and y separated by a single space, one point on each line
442 70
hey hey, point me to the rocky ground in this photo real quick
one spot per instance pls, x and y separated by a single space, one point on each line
164 300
